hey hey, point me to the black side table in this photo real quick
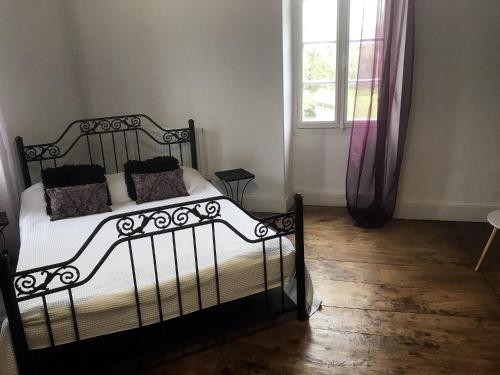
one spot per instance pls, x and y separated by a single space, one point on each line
237 175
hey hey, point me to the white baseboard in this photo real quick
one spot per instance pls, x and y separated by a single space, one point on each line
280 204
258 203
265 203
323 198
447 211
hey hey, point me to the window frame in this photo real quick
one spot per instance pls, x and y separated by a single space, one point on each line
341 74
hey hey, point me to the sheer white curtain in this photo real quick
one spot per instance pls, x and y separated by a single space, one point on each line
9 198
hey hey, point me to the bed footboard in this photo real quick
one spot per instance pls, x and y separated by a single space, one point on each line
19 341
147 224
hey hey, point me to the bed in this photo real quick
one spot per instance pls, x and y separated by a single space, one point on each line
82 279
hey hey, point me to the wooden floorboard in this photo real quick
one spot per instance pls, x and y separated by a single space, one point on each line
400 300
407 299
443 277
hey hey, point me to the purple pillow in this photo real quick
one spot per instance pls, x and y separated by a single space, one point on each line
158 186
80 200
71 175
154 165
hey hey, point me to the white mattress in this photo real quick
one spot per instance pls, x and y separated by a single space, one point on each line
106 304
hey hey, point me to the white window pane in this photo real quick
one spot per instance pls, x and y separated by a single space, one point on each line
318 102
319 62
363 19
319 20
362 98
369 64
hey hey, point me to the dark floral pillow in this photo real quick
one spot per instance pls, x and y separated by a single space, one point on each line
154 165
157 186
71 175
81 200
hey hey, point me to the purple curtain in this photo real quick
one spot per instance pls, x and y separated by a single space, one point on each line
378 137
9 199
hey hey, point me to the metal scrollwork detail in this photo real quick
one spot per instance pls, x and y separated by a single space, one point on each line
85 127
173 136
33 153
125 226
104 125
211 210
27 284
287 223
122 123
68 275
261 229
161 219
128 226
283 224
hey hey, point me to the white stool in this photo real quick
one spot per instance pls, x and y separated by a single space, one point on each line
494 219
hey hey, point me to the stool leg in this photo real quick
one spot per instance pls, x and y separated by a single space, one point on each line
486 248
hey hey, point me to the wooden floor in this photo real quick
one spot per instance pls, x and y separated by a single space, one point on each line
402 300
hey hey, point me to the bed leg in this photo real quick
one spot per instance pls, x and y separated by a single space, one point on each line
19 342
299 257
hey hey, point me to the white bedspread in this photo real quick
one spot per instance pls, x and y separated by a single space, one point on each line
106 303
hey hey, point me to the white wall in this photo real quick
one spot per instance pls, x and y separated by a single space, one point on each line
39 88
219 62
288 101
451 169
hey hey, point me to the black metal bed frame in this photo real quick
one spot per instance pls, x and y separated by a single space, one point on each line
188 216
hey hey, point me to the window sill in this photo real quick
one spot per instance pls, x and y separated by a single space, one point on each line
333 125
322 125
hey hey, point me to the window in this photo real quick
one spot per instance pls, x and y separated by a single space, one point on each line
330 35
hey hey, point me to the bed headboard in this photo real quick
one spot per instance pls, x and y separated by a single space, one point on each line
108 141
